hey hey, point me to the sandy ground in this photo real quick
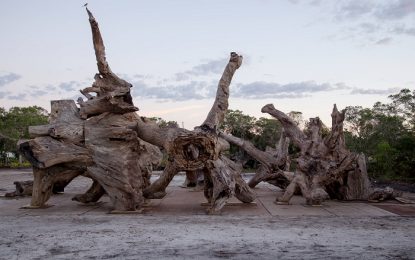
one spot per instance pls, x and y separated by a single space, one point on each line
177 228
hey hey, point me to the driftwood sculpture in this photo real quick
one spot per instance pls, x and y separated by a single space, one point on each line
102 147
105 140
275 163
200 149
325 167
108 142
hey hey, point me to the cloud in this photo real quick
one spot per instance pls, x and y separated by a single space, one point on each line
41 91
181 92
388 10
401 29
207 68
316 2
369 28
374 91
384 41
397 9
261 89
38 93
69 86
310 2
3 94
21 97
198 90
353 9
366 20
8 78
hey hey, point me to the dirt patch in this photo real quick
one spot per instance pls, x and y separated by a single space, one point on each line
205 237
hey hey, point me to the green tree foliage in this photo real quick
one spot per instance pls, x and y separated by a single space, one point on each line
261 132
386 134
14 126
267 132
163 123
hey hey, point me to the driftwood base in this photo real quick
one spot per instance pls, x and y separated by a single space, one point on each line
23 188
44 180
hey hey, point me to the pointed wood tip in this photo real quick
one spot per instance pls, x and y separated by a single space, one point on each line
91 17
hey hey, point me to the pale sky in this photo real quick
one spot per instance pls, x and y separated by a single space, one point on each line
302 55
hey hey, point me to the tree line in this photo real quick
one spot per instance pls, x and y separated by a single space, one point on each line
14 125
385 133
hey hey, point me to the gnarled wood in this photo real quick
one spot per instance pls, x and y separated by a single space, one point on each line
108 147
220 106
325 167
199 149
93 194
115 152
44 152
44 180
23 188
64 123
112 93
274 163
103 146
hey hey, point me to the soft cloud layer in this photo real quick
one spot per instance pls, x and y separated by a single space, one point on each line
32 91
208 68
20 96
394 10
8 78
197 90
261 89
374 91
69 86
181 92
370 20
